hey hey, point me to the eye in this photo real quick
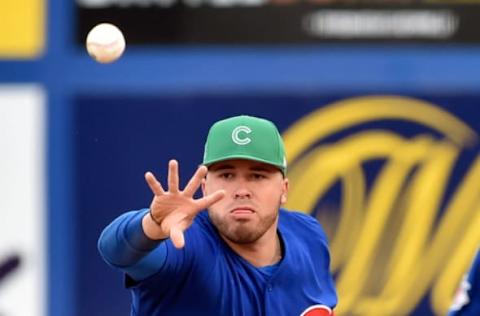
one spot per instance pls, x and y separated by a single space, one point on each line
258 176
226 175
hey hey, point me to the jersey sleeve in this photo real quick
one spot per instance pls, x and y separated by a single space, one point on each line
168 266
124 245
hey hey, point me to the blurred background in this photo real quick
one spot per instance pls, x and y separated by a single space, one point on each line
378 101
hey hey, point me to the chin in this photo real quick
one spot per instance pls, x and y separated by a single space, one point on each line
242 235
241 238
240 231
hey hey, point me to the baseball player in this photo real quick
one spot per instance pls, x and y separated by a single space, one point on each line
467 298
232 252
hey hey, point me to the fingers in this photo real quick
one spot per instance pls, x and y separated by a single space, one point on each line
210 199
195 181
173 176
176 235
154 185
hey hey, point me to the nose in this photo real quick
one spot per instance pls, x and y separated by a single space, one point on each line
242 192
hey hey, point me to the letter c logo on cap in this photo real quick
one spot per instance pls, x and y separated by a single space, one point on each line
236 135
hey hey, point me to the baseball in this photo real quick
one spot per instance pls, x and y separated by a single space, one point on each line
105 43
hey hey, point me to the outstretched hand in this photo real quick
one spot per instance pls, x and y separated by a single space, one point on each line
173 211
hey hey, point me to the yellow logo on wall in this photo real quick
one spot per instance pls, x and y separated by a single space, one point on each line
22 28
392 240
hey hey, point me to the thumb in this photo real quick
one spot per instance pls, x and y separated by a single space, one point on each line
210 199
176 235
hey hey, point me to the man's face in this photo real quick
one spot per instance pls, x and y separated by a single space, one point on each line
254 193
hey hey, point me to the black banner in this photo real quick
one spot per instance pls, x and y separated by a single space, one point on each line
286 21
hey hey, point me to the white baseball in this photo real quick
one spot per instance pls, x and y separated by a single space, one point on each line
105 43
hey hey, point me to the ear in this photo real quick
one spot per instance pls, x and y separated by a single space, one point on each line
283 198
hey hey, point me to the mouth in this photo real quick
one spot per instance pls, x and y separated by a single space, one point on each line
241 212
242 209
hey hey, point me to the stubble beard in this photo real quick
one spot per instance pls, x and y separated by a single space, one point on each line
243 232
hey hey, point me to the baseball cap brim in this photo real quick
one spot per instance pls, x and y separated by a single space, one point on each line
232 157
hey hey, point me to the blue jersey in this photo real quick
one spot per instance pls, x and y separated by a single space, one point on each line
467 298
207 277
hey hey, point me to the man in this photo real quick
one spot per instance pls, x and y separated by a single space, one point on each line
244 256
467 298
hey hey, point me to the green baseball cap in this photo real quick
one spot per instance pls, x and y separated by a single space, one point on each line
245 137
